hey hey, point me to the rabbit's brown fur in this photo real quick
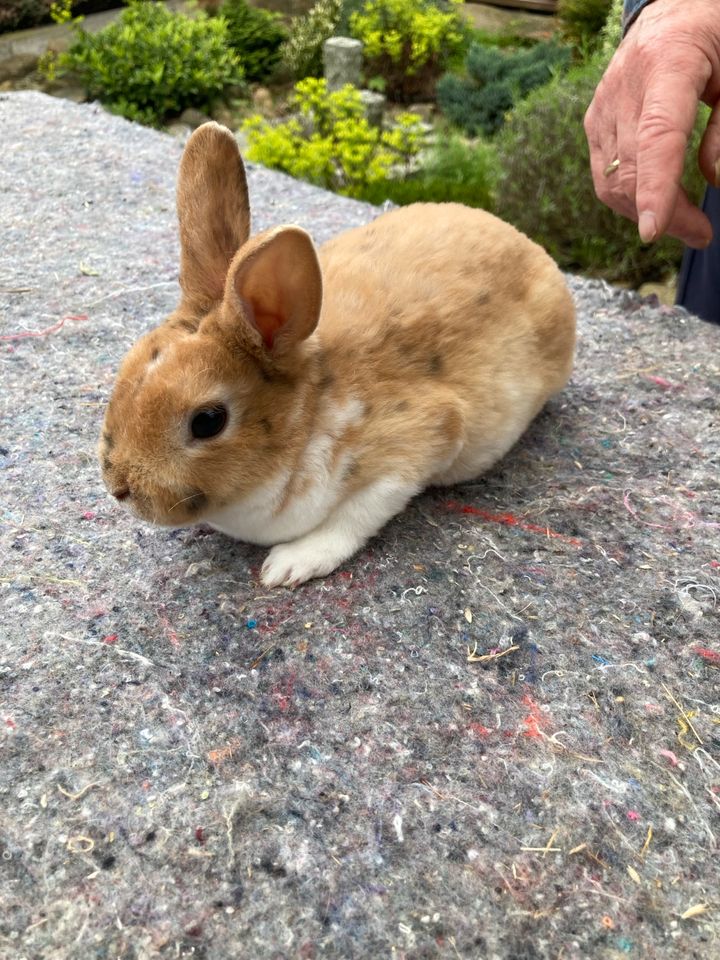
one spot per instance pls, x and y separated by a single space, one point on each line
411 351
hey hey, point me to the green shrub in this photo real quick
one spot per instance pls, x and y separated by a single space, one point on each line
479 101
331 142
151 63
408 43
582 21
546 188
255 35
454 170
302 51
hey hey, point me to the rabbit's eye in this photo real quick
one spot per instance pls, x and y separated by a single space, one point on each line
208 423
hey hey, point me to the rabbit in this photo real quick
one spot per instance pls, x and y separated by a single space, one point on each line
299 399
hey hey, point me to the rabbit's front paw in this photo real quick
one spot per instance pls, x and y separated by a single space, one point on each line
290 564
342 534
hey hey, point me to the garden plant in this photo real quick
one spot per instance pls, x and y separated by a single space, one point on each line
256 36
506 134
408 43
152 63
329 141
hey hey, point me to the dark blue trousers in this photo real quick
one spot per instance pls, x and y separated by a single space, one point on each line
698 288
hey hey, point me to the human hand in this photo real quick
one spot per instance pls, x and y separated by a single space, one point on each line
643 113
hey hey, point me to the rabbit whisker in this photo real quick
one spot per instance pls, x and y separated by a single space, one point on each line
193 496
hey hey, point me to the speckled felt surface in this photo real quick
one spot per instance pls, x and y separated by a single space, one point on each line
192 766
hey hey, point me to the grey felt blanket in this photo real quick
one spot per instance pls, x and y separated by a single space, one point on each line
495 733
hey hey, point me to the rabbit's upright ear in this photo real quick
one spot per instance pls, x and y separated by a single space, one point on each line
213 210
274 290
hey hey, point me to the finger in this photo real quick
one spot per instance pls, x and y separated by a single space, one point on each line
689 224
602 142
602 175
709 154
617 197
614 186
599 127
625 180
666 120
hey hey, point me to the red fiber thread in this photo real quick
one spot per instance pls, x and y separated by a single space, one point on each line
510 520
48 330
662 382
535 720
171 634
710 655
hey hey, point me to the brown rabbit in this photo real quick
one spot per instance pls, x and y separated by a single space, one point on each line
302 399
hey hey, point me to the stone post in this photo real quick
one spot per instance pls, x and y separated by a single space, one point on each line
342 61
374 104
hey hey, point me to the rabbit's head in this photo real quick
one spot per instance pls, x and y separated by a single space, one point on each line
206 406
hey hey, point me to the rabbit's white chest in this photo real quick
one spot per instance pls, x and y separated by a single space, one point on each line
256 518
289 506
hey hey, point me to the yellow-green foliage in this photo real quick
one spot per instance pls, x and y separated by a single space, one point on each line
61 11
408 42
330 141
386 26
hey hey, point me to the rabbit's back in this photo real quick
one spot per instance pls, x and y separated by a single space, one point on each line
452 285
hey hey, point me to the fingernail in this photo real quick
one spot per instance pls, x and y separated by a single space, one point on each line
647 226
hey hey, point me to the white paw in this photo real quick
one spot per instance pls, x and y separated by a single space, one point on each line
290 564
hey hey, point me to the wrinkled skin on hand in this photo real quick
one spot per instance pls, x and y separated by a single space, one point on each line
643 113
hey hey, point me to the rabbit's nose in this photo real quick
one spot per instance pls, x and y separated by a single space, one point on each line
121 494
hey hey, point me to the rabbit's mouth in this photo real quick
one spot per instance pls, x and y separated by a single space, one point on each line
170 509
138 504
162 506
